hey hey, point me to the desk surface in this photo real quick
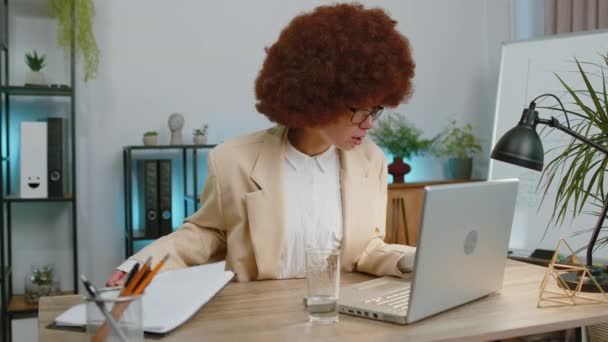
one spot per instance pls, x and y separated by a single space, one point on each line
273 311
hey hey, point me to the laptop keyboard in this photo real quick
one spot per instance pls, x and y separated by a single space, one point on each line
398 299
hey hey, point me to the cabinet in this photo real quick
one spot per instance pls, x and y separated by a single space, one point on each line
42 228
162 186
402 225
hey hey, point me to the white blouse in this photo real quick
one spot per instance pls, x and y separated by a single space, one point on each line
313 207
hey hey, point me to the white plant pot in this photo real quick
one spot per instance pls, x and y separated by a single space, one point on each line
35 78
150 140
200 139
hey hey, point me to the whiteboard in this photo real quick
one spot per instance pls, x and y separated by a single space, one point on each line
528 69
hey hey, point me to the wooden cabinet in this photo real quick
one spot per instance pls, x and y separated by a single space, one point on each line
411 197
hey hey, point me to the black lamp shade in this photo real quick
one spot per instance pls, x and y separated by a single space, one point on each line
521 146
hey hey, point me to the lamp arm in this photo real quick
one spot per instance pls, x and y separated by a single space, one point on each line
533 105
553 122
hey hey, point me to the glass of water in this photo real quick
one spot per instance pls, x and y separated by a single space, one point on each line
323 280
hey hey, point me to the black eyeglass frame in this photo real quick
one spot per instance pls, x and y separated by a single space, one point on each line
375 113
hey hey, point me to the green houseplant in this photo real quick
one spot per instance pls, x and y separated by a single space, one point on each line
459 145
396 134
40 282
35 77
578 169
200 135
151 138
85 43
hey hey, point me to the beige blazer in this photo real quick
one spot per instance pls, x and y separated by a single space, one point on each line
242 215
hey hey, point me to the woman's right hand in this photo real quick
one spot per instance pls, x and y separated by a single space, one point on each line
117 278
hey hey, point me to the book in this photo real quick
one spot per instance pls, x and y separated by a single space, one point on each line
170 300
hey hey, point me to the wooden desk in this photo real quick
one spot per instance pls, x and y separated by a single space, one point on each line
273 311
413 196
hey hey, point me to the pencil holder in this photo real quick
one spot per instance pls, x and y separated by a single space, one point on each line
127 312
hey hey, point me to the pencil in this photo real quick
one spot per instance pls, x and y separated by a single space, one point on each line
128 290
120 308
144 283
93 292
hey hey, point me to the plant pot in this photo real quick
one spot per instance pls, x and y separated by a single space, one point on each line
398 169
40 282
199 139
150 140
460 168
35 78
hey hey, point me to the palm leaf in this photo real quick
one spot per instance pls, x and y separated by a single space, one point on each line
579 170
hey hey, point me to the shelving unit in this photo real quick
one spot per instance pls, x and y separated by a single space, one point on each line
13 305
188 157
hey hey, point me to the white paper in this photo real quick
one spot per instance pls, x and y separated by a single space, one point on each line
171 299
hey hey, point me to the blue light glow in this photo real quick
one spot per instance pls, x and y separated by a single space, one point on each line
180 208
424 168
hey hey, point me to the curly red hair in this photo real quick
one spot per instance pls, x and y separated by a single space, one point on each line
332 59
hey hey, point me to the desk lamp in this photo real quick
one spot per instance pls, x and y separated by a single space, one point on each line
522 146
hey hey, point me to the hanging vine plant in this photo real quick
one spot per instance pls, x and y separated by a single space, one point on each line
86 46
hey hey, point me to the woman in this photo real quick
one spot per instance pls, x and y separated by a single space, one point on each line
312 180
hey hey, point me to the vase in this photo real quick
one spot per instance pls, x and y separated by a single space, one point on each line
40 282
35 78
150 140
460 168
199 139
398 169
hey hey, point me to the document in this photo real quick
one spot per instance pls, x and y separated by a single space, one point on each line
171 299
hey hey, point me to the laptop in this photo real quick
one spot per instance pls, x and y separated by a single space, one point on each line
461 255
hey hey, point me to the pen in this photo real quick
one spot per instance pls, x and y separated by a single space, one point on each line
136 287
93 292
119 308
129 278
128 290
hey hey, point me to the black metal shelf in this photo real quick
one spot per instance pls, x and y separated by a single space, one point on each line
18 307
13 305
166 147
191 198
16 198
5 273
189 185
36 91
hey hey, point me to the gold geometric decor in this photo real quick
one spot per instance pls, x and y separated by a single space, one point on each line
559 293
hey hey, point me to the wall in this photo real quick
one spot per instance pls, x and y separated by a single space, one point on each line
201 59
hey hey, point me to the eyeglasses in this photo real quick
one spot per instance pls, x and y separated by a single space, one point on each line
360 115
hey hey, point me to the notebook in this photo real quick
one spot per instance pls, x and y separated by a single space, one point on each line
171 298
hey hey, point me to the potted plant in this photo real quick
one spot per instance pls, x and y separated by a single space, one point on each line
35 77
200 135
85 43
458 144
151 138
402 139
40 282
578 170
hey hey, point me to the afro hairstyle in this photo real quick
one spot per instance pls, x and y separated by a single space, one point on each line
332 59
